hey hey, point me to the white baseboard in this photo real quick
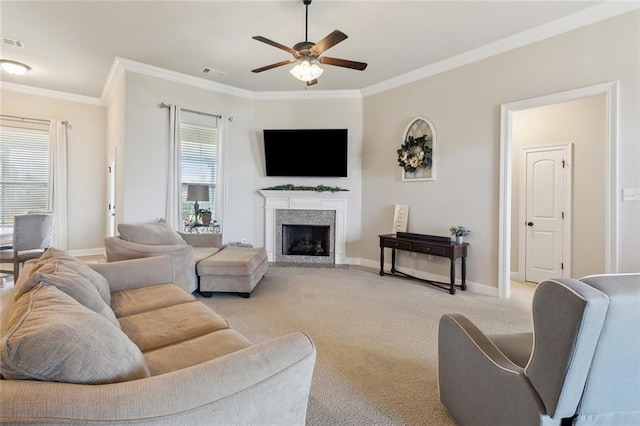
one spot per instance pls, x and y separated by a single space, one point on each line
473 287
515 276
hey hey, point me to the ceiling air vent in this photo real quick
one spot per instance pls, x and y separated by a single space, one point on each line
11 42
213 72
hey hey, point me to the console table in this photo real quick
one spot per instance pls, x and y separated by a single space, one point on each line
422 244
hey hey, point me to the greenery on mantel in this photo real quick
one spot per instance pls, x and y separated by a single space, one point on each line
319 188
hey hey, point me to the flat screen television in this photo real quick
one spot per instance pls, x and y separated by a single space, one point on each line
306 152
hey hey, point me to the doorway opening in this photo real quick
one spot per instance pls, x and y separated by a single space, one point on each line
610 91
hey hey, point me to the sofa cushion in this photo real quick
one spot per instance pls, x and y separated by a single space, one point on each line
195 351
201 253
52 337
144 299
168 326
150 233
233 260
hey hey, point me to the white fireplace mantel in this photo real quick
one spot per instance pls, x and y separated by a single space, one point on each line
306 200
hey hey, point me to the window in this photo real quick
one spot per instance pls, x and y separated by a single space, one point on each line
199 165
24 172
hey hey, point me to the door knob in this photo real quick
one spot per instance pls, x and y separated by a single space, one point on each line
529 223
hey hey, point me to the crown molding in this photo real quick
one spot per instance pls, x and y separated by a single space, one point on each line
559 26
115 74
174 76
38 91
120 65
310 94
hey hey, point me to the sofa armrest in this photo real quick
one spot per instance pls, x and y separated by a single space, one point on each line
182 260
202 240
135 273
470 365
267 383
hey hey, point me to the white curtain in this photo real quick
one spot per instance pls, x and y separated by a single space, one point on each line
58 182
173 178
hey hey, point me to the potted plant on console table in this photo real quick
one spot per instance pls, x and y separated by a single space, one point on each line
459 232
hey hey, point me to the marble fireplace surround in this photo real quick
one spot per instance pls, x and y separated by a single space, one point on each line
306 200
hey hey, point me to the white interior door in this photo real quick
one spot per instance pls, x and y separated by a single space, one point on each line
547 212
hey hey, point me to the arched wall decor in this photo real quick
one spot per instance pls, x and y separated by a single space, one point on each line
417 154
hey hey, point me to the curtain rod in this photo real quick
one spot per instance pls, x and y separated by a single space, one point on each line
163 105
16 118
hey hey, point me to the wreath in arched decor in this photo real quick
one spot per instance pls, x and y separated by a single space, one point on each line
414 153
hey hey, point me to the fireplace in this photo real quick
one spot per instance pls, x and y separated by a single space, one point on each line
309 208
305 236
306 240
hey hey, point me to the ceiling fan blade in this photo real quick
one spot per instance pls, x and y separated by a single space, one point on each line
312 82
360 66
275 44
329 41
277 64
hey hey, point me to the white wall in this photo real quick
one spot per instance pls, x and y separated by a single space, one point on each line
464 105
583 124
86 161
146 150
314 114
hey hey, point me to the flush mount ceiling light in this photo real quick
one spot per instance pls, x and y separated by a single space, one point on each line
307 54
13 67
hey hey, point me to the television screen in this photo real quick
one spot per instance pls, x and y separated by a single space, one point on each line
306 152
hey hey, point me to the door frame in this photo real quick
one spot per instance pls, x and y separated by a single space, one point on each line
566 203
111 193
610 90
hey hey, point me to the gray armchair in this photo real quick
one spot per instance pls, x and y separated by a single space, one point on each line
581 364
31 237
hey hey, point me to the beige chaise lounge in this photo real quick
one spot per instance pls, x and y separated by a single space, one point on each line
118 343
199 260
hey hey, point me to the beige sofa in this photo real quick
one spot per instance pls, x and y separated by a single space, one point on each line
118 343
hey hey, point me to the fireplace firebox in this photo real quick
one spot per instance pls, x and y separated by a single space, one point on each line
306 240
305 236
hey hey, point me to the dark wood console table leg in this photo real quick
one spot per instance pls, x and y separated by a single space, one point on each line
463 273
452 274
381 261
393 261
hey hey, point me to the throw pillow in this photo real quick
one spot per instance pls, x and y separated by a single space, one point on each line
66 279
150 233
54 338
99 282
26 281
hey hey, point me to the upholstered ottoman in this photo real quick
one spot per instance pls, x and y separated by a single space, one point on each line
232 269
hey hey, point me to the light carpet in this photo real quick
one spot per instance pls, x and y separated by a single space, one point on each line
376 338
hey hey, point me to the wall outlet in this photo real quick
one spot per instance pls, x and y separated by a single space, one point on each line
414 254
244 241
631 194
429 257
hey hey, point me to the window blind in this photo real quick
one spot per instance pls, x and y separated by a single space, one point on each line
199 163
24 171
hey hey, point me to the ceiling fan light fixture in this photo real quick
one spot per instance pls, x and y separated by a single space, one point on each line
306 70
13 67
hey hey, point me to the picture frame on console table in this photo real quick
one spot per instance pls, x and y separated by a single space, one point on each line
400 218
418 128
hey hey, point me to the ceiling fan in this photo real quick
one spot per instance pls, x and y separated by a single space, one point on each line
307 54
